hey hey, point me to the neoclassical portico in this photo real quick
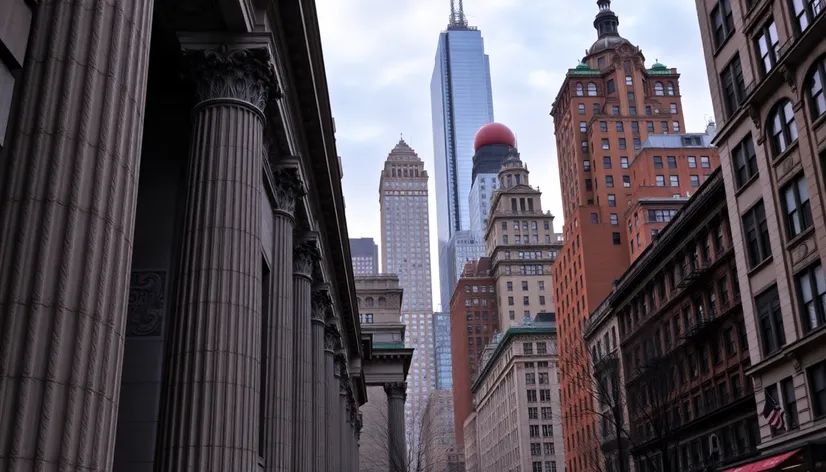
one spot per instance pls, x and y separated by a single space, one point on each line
174 289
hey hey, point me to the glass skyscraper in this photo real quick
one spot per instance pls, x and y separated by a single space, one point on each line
461 102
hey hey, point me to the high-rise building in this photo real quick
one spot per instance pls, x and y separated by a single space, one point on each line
473 321
461 102
365 255
522 245
767 70
405 247
608 106
463 246
442 351
493 143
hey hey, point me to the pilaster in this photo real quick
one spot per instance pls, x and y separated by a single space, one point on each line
396 396
68 190
280 335
321 305
305 256
209 421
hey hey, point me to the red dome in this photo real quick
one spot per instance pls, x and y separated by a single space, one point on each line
494 133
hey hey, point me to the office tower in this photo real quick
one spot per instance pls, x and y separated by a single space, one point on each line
493 143
365 255
462 247
473 321
405 247
607 107
442 351
767 74
461 102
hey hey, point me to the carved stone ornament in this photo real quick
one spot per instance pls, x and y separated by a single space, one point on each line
305 255
396 390
339 366
241 74
788 77
321 301
754 114
147 296
288 188
800 252
331 338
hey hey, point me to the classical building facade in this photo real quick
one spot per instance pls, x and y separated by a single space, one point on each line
175 283
383 445
765 62
516 397
521 243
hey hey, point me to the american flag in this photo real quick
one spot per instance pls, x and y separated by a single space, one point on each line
773 413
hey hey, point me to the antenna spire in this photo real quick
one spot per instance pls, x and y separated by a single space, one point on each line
457 14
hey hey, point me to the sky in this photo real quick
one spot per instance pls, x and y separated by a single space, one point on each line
379 57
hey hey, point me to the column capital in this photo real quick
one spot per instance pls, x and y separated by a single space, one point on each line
287 189
332 338
396 390
305 255
240 74
321 301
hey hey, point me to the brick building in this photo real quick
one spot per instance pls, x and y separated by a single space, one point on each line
473 321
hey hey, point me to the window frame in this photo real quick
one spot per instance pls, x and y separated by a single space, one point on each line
782 114
797 219
817 298
754 219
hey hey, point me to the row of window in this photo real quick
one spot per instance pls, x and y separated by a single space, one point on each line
615 110
540 284
660 89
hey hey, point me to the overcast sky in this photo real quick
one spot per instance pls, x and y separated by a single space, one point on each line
379 57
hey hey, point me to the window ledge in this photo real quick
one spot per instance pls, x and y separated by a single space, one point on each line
762 265
799 237
817 122
812 339
747 184
789 149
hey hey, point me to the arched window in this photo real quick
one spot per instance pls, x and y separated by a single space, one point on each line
782 128
814 87
592 89
658 89
669 88
579 91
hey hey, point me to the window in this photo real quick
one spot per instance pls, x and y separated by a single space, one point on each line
660 181
530 379
588 185
722 22
603 126
635 127
626 181
547 414
609 181
789 403
811 287
658 162
673 108
705 163
526 300
664 126
768 47
637 144
692 162
612 200
631 97
583 126
622 144
620 127
586 165
610 86
615 237
632 110
695 180
817 384
814 85
733 85
805 11
606 162
533 413
592 89
648 110
614 219
675 180
531 396
541 302
770 321
615 110
527 348
672 162
758 244
510 284
669 89
624 162
649 125
797 206
597 110
581 108
782 128
510 301
745 161
658 89
579 90
605 144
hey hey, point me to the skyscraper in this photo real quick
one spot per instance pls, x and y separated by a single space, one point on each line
365 255
461 102
405 248
442 353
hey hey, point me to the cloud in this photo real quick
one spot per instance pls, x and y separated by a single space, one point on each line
379 57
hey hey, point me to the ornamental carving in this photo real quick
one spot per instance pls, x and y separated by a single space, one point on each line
321 301
288 188
396 390
331 338
754 114
241 74
340 365
305 255
800 252
788 76
147 297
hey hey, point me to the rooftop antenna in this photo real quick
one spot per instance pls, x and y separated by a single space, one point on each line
457 14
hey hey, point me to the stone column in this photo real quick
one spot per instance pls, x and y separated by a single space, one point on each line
359 425
278 410
211 416
304 258
396 396
321 304
331 396
68 189
343 412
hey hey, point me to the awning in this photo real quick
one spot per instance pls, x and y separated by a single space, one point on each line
764 464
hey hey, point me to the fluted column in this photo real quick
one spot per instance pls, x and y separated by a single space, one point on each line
68 189
337 390
211 413
359 425
331 397
304 258
321 303
343 412
278 414
396 396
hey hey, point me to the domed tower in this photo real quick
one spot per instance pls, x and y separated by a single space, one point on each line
492 144
606 23
513 172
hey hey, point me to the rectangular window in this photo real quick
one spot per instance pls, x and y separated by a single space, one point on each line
675 180
692 162
695 180
615 237
797 207
614 219
789 403
658 162
606 162
745 161
603 126
767 46
606 144
770 319
612 200
583 126
609 181
586 165
629 80
615 110
673 108
811 288
660 180
597 111
622 143
610 86
624 162
581 108
626 181
705 163
672 162
722 22
734 86
649 125
817 384
758 242
637 144
675 126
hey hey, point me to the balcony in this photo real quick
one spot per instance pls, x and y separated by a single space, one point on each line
693 271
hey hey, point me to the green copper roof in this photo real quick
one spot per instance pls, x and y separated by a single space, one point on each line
582 65
658 65
388 345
